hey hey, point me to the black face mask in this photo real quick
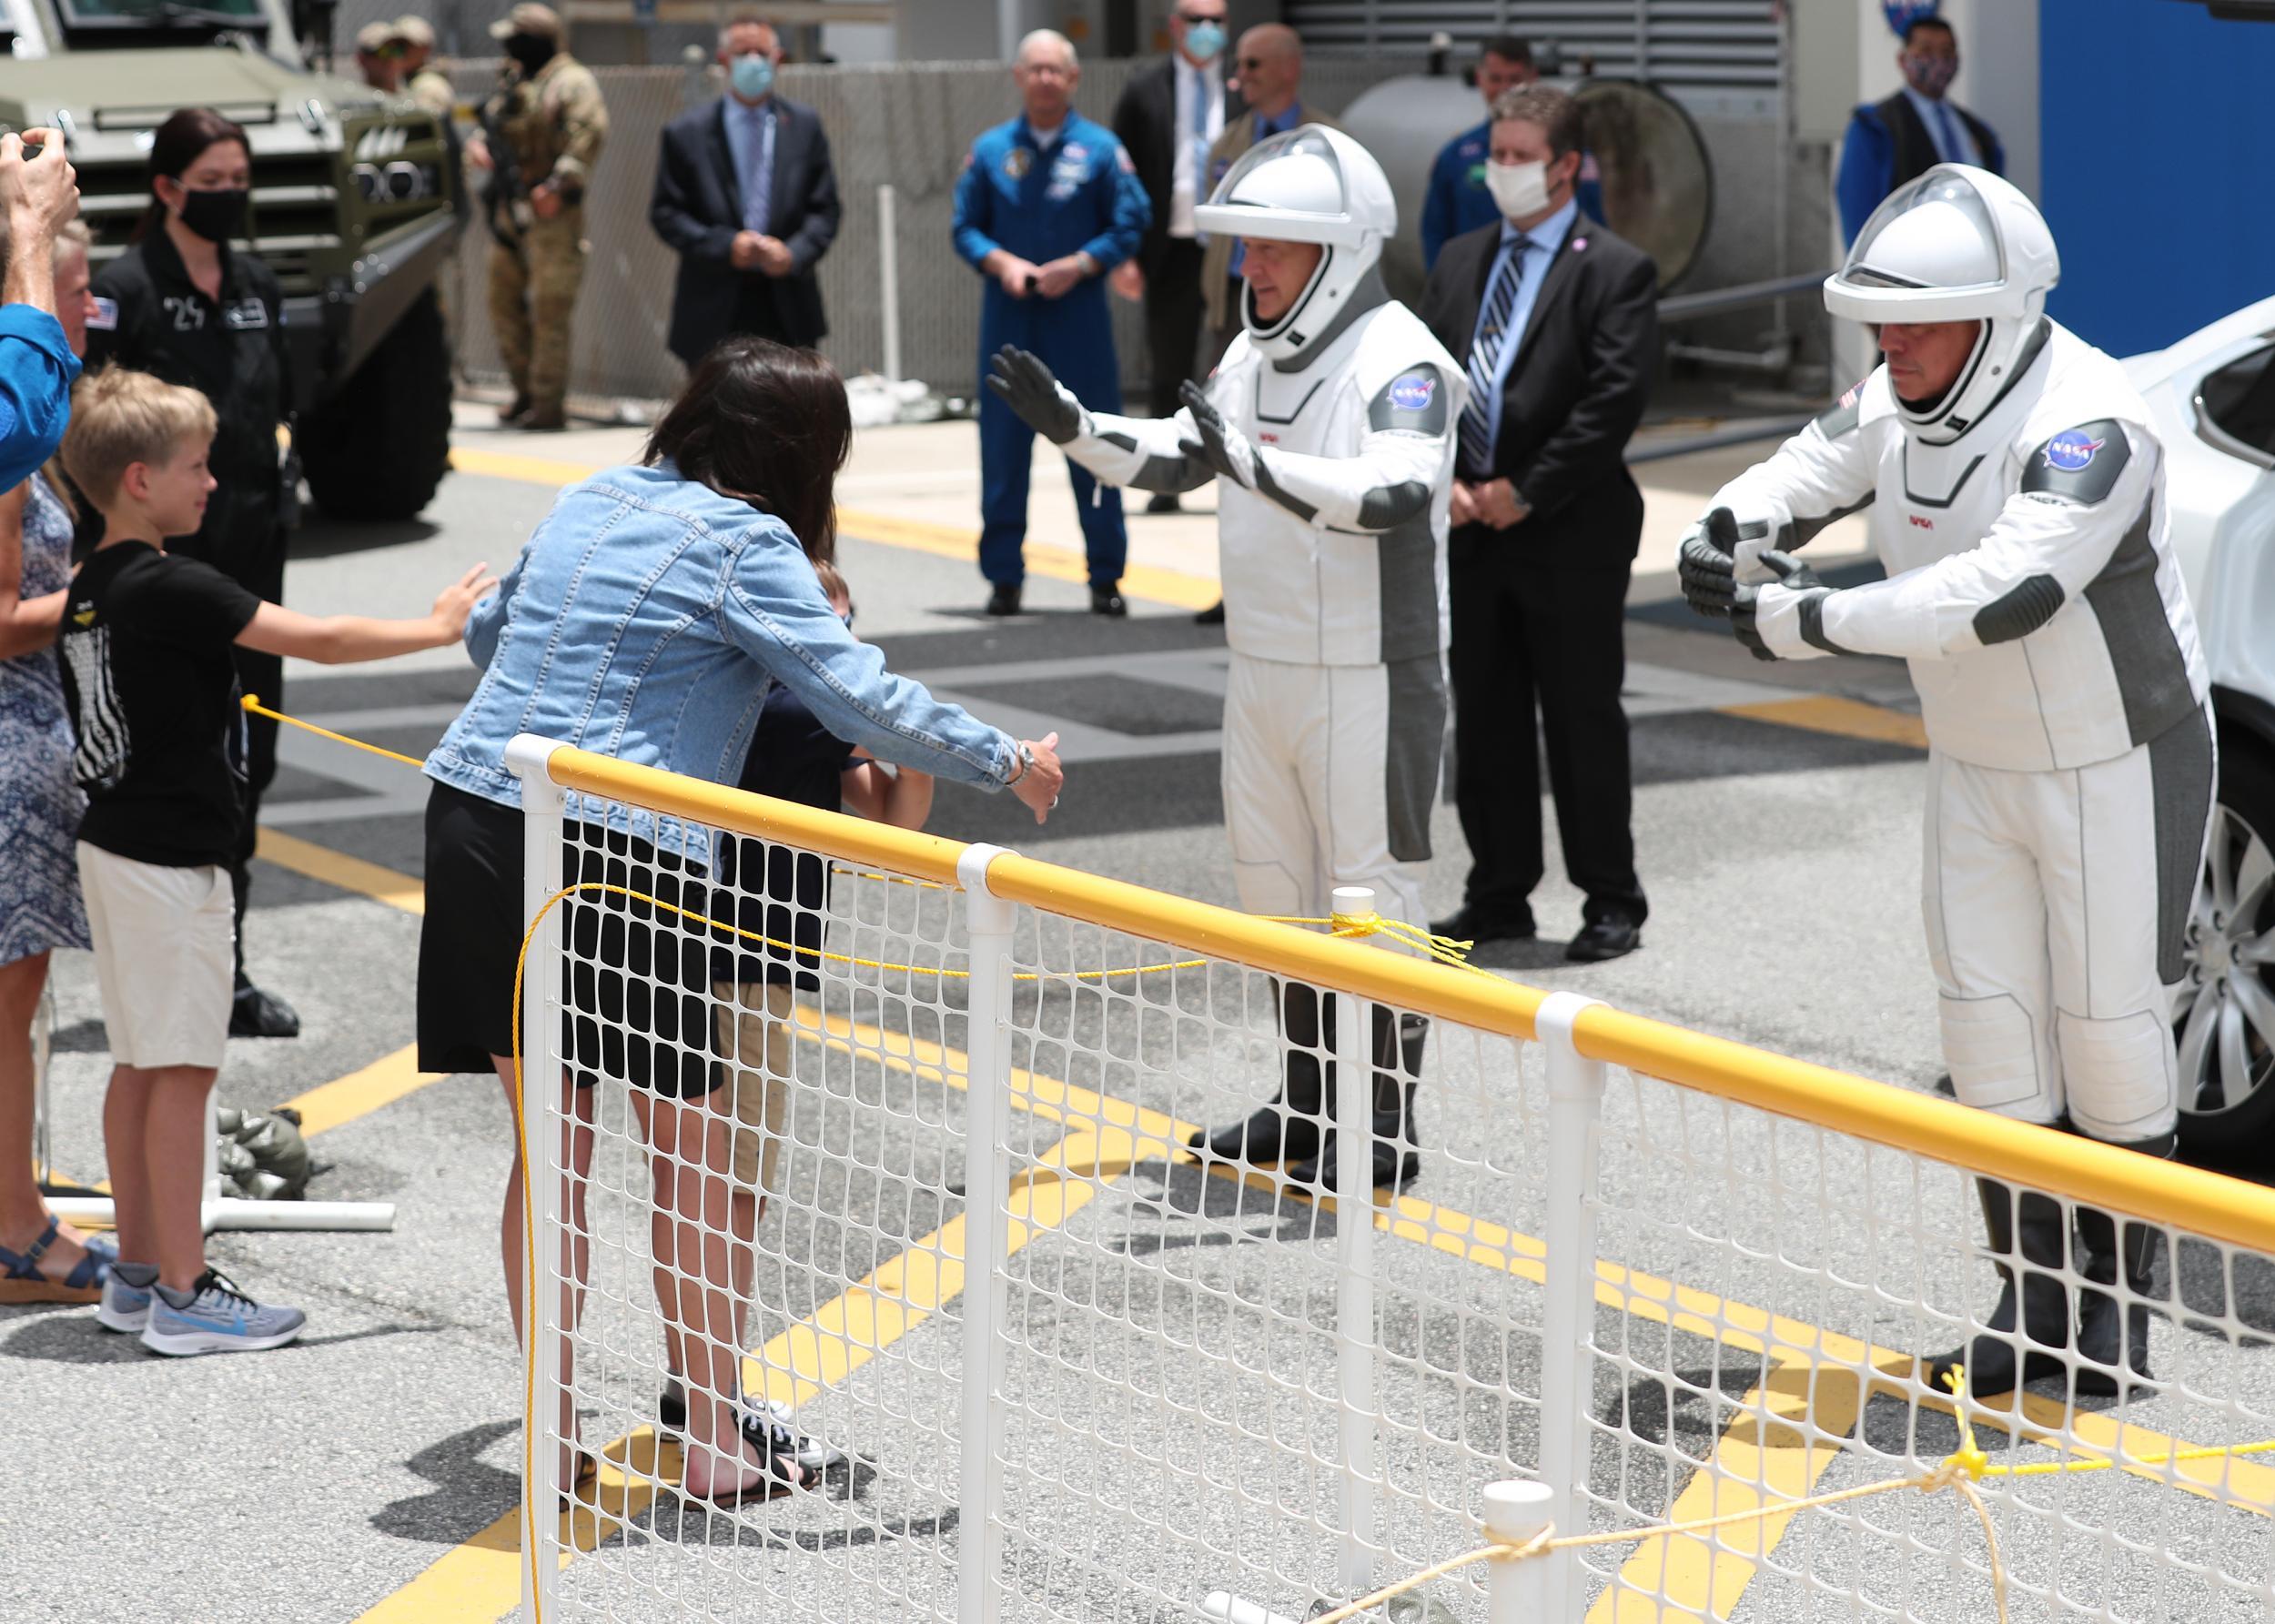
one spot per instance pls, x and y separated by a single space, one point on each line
532 51
216 215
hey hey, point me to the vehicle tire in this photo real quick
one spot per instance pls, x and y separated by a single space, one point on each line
2224 1011
379 445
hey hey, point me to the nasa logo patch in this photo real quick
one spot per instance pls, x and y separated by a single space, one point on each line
1016 162
105 316
1414 391
2071 450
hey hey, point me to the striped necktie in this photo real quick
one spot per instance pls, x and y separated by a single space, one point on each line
1485 347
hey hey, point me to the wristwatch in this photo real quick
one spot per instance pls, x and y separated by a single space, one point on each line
1026 760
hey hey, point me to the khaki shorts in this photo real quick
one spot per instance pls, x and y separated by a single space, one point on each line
165 957
754 1036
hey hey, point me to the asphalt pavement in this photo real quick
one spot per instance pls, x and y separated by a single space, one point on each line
1168 1347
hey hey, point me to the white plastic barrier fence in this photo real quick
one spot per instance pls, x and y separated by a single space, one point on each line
1048 1361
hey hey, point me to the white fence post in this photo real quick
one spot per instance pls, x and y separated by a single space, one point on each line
1575 1104
1517 1592
1354 1265
889 277
989 920
543 803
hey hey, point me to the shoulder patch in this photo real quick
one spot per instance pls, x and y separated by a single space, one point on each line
2082 464
1840 417
1414 402
105 316
1121 160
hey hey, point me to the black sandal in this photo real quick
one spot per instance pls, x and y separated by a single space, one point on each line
784 1474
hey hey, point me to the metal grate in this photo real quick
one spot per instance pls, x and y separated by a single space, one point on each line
1702 44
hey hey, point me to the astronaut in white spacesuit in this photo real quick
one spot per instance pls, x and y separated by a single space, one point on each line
2017 496
1329 426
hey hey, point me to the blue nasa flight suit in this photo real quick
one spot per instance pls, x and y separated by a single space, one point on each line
1080 195
1459 200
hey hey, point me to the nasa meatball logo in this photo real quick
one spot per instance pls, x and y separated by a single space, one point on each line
2071 450
1413 392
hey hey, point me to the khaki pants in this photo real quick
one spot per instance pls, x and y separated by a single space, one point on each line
533 291
755 1038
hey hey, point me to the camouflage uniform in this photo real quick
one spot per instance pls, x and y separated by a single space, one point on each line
555 124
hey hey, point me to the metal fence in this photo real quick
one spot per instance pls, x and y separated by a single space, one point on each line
909 126
1059 1367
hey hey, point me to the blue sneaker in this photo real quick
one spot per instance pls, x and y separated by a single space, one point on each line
218 1318
127 1289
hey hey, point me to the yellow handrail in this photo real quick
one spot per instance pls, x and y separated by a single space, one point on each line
2206 1204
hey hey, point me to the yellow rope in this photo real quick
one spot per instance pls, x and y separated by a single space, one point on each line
251 701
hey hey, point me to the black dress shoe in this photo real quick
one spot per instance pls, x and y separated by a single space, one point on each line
1106 600
1004 599
1466 923
1604 939
1394 1169
1212 615
1268 1134
256 1014
1163 502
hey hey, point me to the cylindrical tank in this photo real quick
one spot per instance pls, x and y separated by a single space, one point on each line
1658 188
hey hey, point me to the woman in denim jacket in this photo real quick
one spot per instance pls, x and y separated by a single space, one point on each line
645 621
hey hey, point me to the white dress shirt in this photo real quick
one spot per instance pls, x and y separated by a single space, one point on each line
1199 121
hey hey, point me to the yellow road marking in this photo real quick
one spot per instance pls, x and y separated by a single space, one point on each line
359 1093
387 885
961 543
1830 713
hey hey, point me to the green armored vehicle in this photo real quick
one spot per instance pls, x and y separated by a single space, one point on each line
352 206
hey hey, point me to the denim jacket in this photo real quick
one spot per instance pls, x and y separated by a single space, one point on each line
644 619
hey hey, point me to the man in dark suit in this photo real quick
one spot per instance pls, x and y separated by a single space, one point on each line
1895 140
1167 118
744 191
1556 322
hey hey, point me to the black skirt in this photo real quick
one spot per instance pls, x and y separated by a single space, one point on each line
636 986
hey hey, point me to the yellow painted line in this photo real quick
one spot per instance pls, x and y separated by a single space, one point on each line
1830 713
359 1093
387 885
961 543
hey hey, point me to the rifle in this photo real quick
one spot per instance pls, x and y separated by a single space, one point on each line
503 191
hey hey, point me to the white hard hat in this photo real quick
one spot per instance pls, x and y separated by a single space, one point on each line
1308 185
1957 244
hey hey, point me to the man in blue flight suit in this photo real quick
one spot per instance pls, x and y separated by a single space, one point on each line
1046 206
1457 200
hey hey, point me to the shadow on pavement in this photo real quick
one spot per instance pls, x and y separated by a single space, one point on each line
323 537
470 1494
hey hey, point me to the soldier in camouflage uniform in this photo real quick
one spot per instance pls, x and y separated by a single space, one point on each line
547 110
433 91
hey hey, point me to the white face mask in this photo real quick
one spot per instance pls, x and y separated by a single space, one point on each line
1518 190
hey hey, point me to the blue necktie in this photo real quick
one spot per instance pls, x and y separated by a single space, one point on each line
759 196
1953 153
1493 336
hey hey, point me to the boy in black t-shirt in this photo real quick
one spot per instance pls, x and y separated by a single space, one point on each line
152 688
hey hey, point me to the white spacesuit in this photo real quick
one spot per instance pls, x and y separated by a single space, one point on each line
1331 431
2032 590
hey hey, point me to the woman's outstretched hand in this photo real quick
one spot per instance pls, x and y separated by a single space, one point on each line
1039 785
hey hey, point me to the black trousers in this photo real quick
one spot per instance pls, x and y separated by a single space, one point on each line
260 674
754 314
1173 313
1526 636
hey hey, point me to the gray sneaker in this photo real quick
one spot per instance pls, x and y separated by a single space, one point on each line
218 1318
126 1303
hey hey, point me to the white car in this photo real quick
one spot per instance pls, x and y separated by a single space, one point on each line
2213 394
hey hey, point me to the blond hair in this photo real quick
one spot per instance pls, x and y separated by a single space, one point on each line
120 418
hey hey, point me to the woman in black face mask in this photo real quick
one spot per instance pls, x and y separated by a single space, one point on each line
183 303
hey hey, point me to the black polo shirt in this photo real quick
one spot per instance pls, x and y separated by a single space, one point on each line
152 318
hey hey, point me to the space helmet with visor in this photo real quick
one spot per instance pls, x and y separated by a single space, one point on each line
1309 185
1957 244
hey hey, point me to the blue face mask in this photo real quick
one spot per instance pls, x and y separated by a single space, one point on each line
1204 41
753 76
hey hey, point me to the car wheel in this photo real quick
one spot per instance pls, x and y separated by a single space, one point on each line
379 447
2224 1009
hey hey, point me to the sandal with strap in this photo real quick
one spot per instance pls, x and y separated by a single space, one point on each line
783 1474
22 1282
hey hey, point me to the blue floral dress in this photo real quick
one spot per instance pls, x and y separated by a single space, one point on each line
39 802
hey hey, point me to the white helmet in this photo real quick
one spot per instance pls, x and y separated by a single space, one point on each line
1957 244
1308 185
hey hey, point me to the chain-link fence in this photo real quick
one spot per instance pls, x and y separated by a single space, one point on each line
909 126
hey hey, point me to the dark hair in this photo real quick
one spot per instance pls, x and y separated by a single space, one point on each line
1554 111
1916 24
1508 47
767 425
178 143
